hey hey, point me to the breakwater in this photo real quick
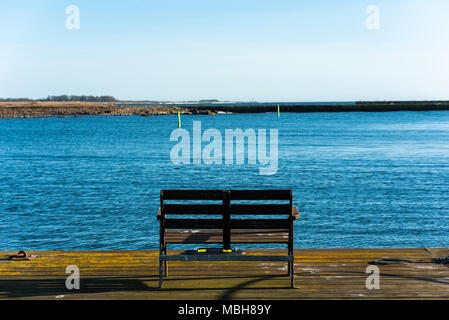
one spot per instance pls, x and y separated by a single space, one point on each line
32 109
331 107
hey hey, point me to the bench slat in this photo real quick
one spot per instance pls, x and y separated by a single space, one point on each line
259 223
263 209
278 194
193 223
192 194
237 236
193 209
223 257
236 209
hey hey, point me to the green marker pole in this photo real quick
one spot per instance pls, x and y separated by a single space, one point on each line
279 112
179 119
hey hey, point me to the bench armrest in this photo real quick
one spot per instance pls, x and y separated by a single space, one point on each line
295 213
159 214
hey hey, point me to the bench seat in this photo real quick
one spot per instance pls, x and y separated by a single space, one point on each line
237 236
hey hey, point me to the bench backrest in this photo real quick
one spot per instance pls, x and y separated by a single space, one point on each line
228 206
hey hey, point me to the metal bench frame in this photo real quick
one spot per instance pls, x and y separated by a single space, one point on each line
226 223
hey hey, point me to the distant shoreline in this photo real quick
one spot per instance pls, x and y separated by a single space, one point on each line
37 109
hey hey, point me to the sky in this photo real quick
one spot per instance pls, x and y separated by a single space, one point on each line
231 50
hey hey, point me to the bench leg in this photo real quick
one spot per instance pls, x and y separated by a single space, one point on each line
160 273
292 274
165 263
290 263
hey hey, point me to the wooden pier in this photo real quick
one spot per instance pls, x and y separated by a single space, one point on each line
320 274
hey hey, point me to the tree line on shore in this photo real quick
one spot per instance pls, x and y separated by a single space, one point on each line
66 98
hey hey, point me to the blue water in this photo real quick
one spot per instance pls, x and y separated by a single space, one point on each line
359 179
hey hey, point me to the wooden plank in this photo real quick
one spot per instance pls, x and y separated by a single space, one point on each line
204 194
223 257
237 236
259 236
438 252
190 194
262 194
262 209
193 223
259 224
209 209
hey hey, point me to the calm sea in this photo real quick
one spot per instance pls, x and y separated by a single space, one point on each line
359 179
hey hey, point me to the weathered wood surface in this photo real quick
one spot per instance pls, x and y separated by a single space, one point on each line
320 274
237 236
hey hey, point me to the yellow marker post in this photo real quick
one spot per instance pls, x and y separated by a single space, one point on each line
279 112
179 119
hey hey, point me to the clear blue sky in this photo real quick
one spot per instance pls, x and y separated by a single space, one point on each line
226 49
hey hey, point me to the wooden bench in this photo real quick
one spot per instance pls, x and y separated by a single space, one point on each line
226 229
